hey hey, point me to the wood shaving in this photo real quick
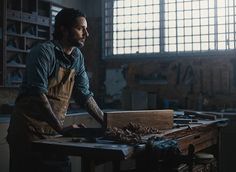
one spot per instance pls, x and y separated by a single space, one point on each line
130 134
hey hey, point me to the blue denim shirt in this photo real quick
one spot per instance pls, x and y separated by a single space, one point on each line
42 62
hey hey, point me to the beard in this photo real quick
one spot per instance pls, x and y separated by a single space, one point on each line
78 44
75 42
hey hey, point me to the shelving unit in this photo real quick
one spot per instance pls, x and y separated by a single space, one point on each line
24 23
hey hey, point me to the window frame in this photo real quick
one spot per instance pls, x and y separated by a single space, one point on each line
169 55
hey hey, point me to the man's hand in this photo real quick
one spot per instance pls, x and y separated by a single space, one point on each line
69 128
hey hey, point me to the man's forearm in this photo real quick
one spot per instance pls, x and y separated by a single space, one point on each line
93 109
38 107
49 115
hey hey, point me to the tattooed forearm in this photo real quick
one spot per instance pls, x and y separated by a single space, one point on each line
49 115
93 109
38 107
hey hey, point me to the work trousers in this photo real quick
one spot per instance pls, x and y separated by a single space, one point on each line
24 158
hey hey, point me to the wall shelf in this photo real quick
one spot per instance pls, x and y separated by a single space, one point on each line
23 24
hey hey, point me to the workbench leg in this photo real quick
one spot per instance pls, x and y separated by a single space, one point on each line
219 150
115 166
87 165
142 164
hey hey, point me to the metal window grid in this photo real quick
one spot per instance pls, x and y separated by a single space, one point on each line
168 26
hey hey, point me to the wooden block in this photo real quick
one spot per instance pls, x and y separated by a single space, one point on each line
81 118
160 119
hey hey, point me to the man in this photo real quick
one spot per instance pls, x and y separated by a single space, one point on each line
54 70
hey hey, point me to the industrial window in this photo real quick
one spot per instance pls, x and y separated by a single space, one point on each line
132 26
199 25
162 26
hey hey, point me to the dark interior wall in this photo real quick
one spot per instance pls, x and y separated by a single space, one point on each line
92 8
70 4
201 83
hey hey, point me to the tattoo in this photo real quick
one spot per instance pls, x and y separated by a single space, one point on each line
38 107
50 116
93 109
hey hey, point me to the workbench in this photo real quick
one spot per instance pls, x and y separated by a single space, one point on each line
201 135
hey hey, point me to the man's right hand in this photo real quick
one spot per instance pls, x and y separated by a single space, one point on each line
69 128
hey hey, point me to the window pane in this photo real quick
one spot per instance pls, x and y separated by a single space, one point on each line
188 47
172 40
204 38
196 46
196 38
180 47
172 47
221 46
204 46
180 40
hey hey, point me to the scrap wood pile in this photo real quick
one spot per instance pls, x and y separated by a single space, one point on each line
130 134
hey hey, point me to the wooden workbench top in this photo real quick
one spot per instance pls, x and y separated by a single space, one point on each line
204 133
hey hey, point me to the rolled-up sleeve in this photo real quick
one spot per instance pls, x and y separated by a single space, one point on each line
38 69
81 91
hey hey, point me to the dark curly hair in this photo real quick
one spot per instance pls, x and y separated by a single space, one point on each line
66 17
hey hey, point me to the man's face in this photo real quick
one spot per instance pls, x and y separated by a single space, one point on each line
78 33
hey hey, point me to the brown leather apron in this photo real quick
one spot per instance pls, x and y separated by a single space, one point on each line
59 93
24 129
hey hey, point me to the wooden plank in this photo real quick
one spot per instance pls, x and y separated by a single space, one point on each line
160 119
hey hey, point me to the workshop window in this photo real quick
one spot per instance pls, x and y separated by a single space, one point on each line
199 25
132 27
163 26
